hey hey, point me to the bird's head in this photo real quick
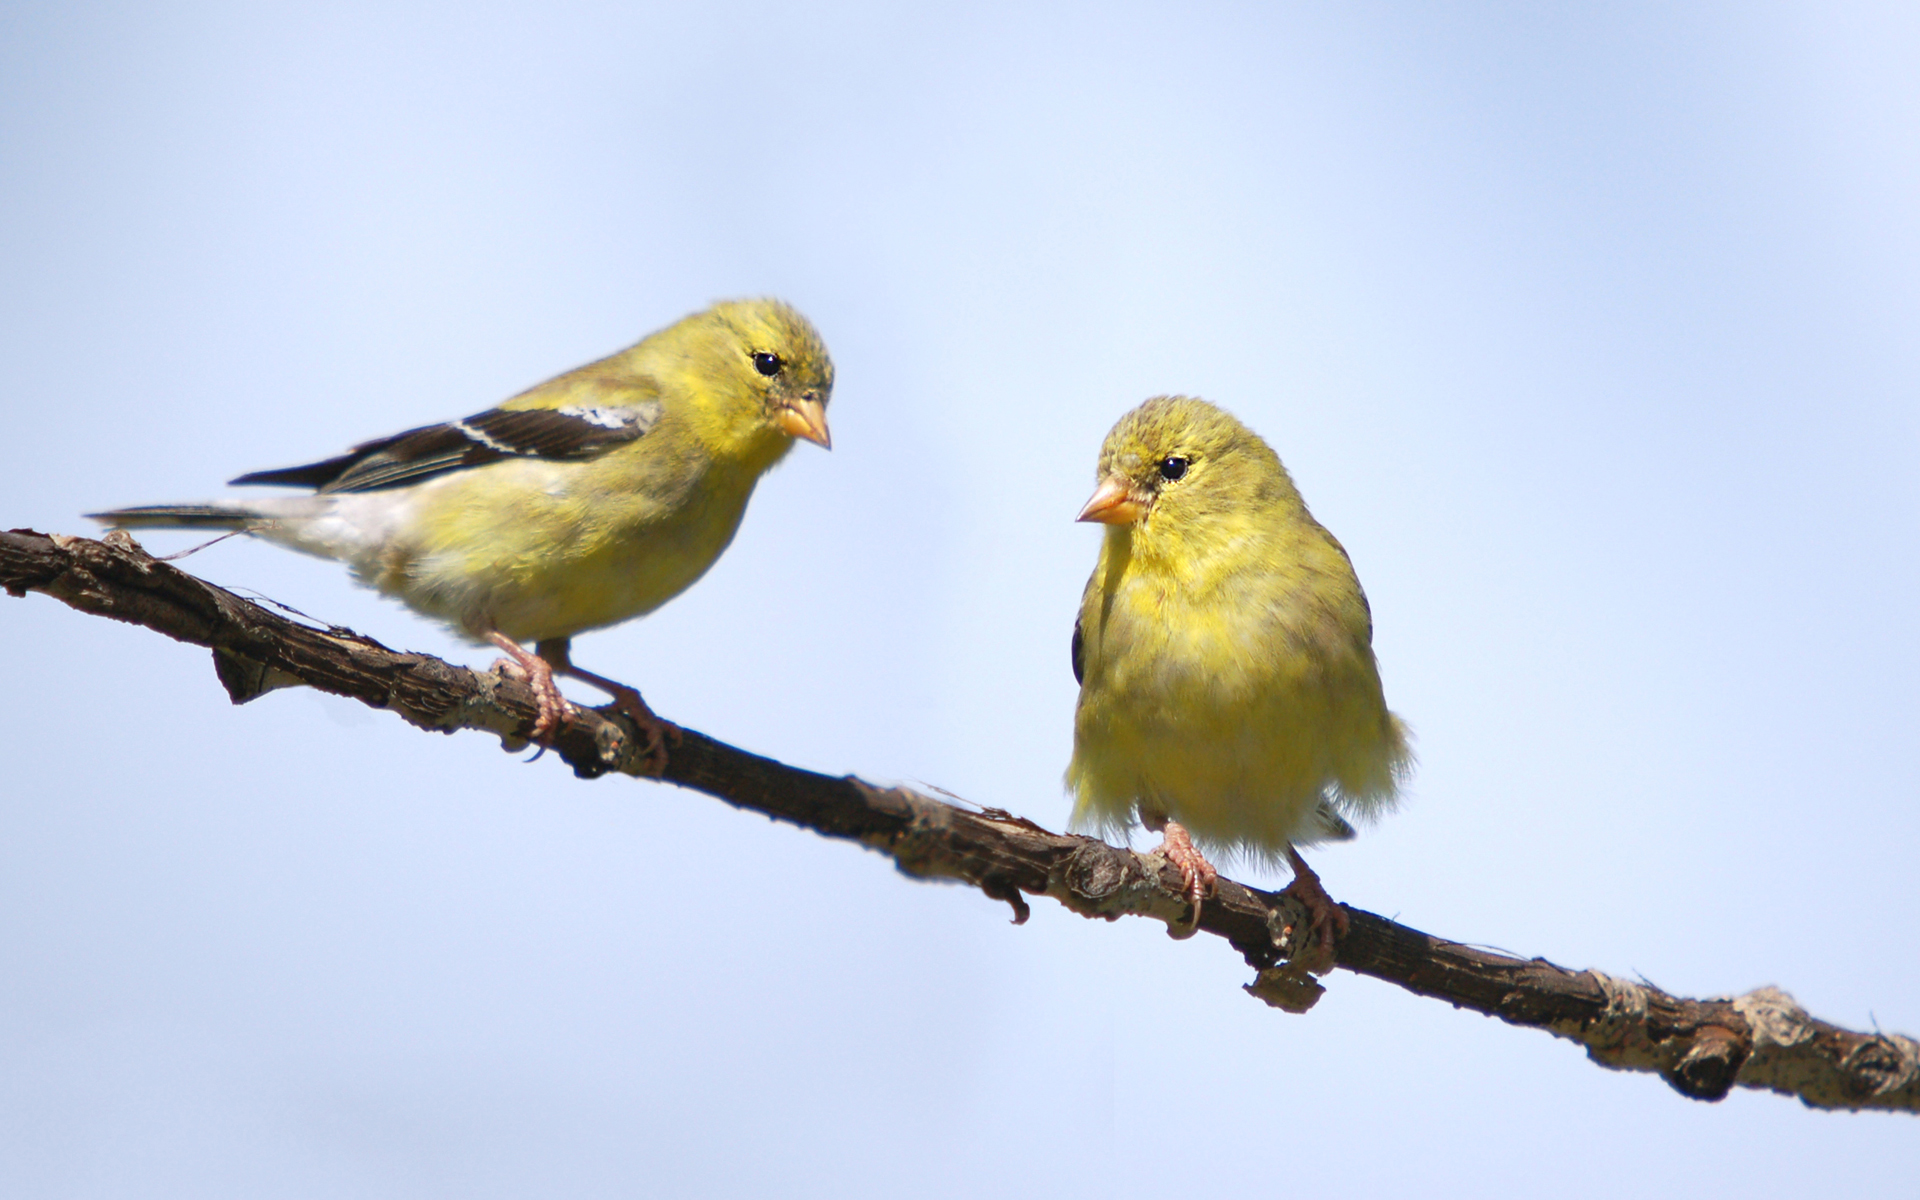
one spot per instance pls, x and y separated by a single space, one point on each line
1177 457
755 374
767 350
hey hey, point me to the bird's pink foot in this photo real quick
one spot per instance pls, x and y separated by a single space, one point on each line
1326 920
654 728
555 710
625 700
1195 871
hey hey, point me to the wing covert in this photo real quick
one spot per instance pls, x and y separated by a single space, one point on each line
567 433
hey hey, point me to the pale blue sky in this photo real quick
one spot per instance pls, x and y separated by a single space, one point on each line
1590 331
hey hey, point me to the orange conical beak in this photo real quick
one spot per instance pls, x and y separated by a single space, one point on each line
806 418
1113 503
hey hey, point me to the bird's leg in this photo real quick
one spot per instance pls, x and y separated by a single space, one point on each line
1325 919
625 699
1178 848
554 709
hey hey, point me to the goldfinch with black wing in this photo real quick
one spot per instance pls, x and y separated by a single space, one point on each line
591 499
1229 696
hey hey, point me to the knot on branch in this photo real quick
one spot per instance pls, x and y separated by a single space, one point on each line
1882 1065
1825 1066
1698 1048
1711 1065
1095 874
1290 928
1098 880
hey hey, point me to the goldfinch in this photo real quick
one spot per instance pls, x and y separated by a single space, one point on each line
1229 696
591 499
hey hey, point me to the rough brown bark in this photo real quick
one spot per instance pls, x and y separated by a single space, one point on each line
1703 1048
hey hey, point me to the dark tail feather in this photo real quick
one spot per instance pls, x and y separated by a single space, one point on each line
1333 826
175 516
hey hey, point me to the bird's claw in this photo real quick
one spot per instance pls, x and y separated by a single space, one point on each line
655 729
554 709
555 712
657 732
552 659
1196 873
1326 919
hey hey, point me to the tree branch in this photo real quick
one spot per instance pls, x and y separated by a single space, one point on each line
1703 1048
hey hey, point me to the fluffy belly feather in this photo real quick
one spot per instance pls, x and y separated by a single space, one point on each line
1241 751
603 559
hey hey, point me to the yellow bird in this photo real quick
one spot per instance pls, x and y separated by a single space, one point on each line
588 500
1229 696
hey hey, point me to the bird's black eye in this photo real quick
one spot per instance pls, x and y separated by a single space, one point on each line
767 364
1173 467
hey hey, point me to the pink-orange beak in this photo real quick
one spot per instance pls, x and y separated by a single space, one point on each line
1113 503
806 418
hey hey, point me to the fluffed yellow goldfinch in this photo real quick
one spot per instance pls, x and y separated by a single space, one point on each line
588 500
1229 696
